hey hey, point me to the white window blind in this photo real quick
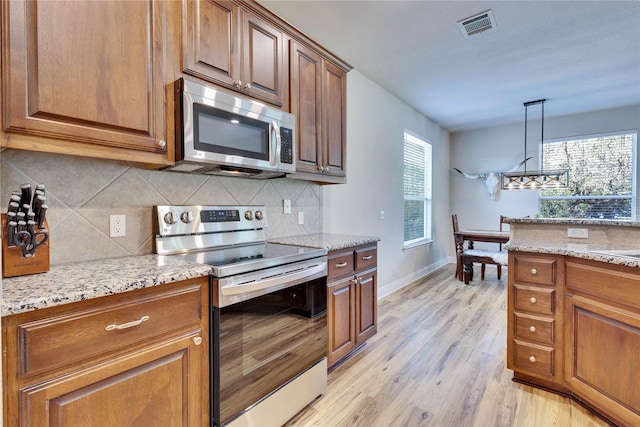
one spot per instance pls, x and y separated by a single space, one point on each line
417 190
601 170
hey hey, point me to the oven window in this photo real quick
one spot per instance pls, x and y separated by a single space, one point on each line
267 341
218 131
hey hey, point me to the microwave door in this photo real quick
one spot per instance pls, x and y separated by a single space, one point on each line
274 156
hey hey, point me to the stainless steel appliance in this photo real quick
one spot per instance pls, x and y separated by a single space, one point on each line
268 318
218 132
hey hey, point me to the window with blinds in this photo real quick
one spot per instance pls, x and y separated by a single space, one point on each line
417 190
601 170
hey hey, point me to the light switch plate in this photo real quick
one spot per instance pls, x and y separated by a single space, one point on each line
287 206
300 218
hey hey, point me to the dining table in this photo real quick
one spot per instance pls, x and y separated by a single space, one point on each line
471 236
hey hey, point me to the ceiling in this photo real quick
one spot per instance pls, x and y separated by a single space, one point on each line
579 55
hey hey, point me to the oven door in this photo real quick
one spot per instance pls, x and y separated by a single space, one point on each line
260 344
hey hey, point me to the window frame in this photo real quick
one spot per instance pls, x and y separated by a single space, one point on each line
427 197
634 169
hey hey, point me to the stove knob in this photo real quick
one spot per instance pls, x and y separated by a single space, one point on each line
248 215
187 217
259 215
170 218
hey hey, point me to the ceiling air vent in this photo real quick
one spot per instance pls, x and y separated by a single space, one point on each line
477 24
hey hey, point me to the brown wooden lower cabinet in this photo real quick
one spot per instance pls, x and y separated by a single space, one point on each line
138 358
351 300
583 336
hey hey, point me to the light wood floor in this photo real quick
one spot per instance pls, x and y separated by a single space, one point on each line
439 360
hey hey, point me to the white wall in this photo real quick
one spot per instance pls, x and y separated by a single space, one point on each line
500 148
376 121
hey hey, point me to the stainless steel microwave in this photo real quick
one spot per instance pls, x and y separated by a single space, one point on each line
221 133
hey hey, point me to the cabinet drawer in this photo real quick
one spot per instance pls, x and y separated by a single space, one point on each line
366 258
60 341
534 359
539 271
340 264
534 300
532 328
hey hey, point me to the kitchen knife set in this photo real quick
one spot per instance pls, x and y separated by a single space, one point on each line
25 219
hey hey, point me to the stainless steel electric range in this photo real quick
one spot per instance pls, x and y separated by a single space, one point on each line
268 318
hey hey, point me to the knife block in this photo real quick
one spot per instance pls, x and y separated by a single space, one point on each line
14 264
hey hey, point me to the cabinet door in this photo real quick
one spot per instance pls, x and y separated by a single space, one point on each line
306 104
212 41
341 314
334 116
85 72
158 386
263 70
603 361
367 312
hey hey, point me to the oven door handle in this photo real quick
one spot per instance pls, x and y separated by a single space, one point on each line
279 279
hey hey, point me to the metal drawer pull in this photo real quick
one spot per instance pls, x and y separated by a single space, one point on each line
342 264
197 340
532 328
532 359
128 325
534 271
533 300
367 258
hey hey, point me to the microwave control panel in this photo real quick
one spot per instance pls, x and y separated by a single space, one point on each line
286 145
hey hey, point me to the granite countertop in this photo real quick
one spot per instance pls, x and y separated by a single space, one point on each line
330 242
73 282
67 283
573 221
590 251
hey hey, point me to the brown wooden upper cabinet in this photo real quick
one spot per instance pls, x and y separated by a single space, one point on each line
233 47
318 99
85 78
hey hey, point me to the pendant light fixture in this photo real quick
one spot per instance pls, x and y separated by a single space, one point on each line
558 178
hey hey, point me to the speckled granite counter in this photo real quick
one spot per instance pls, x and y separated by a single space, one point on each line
330 242
550 236
67 283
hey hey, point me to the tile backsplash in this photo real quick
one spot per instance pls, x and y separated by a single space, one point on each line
82 193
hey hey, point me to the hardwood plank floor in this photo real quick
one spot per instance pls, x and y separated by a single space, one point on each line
439 359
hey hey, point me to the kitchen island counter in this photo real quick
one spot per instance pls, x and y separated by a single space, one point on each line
328 241
554 236
73 282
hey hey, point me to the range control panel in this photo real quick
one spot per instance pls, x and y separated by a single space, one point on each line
197 219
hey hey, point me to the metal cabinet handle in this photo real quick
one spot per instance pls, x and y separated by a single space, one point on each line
534 271
162 143
532 328
197 340
247 86
533 300
367 258
341 264
321 168
237 83
326 168
532 359
127 325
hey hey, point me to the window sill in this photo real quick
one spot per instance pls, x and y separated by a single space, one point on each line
415 245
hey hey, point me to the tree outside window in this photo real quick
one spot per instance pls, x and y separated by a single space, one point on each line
601 170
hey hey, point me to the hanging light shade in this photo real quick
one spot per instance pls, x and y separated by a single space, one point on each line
524 180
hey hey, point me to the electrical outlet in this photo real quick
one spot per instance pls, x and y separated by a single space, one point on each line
578 233
287 206
300 218
117 226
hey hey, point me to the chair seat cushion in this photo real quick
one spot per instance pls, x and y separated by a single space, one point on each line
499 257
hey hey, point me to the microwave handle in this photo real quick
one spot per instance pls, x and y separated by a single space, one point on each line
275 143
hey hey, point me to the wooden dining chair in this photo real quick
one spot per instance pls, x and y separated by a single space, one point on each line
478 256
